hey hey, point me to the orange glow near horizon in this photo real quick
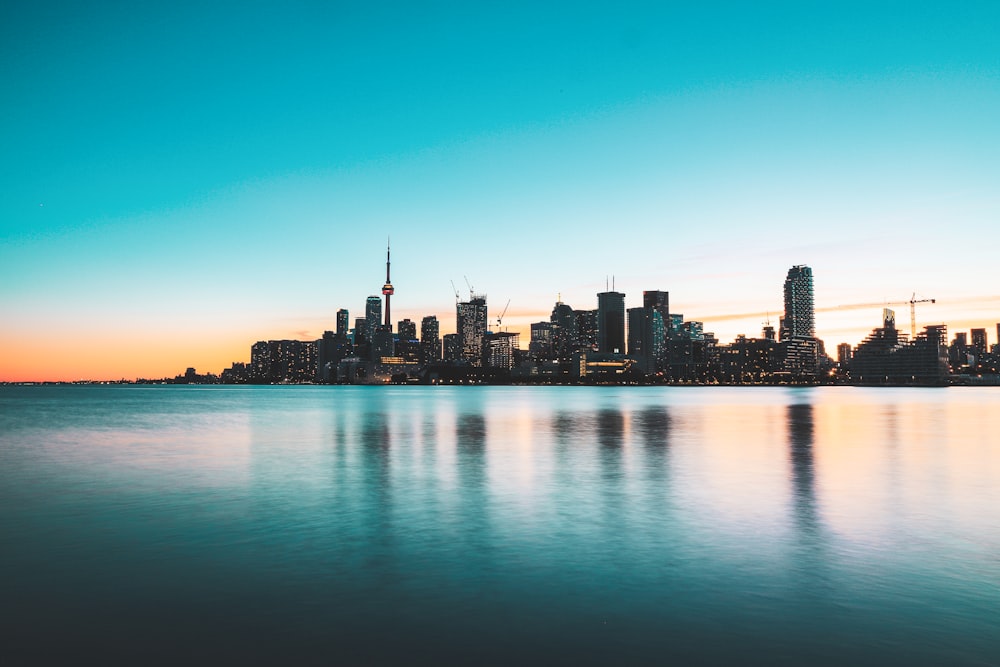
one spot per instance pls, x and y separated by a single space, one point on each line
131 353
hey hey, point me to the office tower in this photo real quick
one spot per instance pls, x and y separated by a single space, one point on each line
407 329
452 347
280 361
646 338
563 332
660 302
611 322
342 320
979 344
383 345
387 290
799 320
361 331
430 339
501 349
844 353
541 346
586 329
373 316
798 326
471 325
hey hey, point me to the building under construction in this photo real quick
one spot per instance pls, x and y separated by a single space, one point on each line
887 357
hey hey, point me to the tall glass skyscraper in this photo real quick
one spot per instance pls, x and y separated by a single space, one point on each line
471 324
800 318
611 322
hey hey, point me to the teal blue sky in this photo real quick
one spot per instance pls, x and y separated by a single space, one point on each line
180 180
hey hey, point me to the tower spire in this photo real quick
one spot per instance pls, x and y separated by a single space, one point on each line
387 289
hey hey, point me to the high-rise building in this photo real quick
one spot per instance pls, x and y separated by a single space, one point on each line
430 339
611 322
342 320
373 316
586 329
452 347
660 302
406 329
563 332
471 321
500 349
799 320
646 340
844 354
798 326
541 346
979 344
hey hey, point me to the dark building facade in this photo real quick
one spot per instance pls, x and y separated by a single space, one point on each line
430 339
611 322
471 318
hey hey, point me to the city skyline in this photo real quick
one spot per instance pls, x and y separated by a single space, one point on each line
183 181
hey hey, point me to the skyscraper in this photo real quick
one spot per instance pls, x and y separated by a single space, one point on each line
611 322
979 343
407 329
646 340
799 320
342 320
373 316
471 325
660 302
798 326
563 332
430 339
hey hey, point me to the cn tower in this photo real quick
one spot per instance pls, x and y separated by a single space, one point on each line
387 289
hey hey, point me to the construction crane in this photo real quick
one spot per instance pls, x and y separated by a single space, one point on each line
457 297
912 303
500 317
913 313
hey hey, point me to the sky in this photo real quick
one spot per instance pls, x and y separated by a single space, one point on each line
180 180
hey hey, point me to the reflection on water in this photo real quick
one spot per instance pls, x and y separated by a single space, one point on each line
498 525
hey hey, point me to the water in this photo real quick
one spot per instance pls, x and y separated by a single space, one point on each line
500 525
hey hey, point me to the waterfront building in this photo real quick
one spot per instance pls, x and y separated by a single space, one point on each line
430 340
471 318
452 347
373 316
660 302
979 343
500 349
406 329
564 334
886 357
646 339
799 320
844 354
798 325
611 322
586 329
283 361
748 360
330 350
342 323
542 345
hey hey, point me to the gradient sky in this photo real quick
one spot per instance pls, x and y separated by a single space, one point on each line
181 180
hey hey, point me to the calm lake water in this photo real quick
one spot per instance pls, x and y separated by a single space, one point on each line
500 525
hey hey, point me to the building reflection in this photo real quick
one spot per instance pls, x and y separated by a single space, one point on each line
653 425
375 483
810 539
